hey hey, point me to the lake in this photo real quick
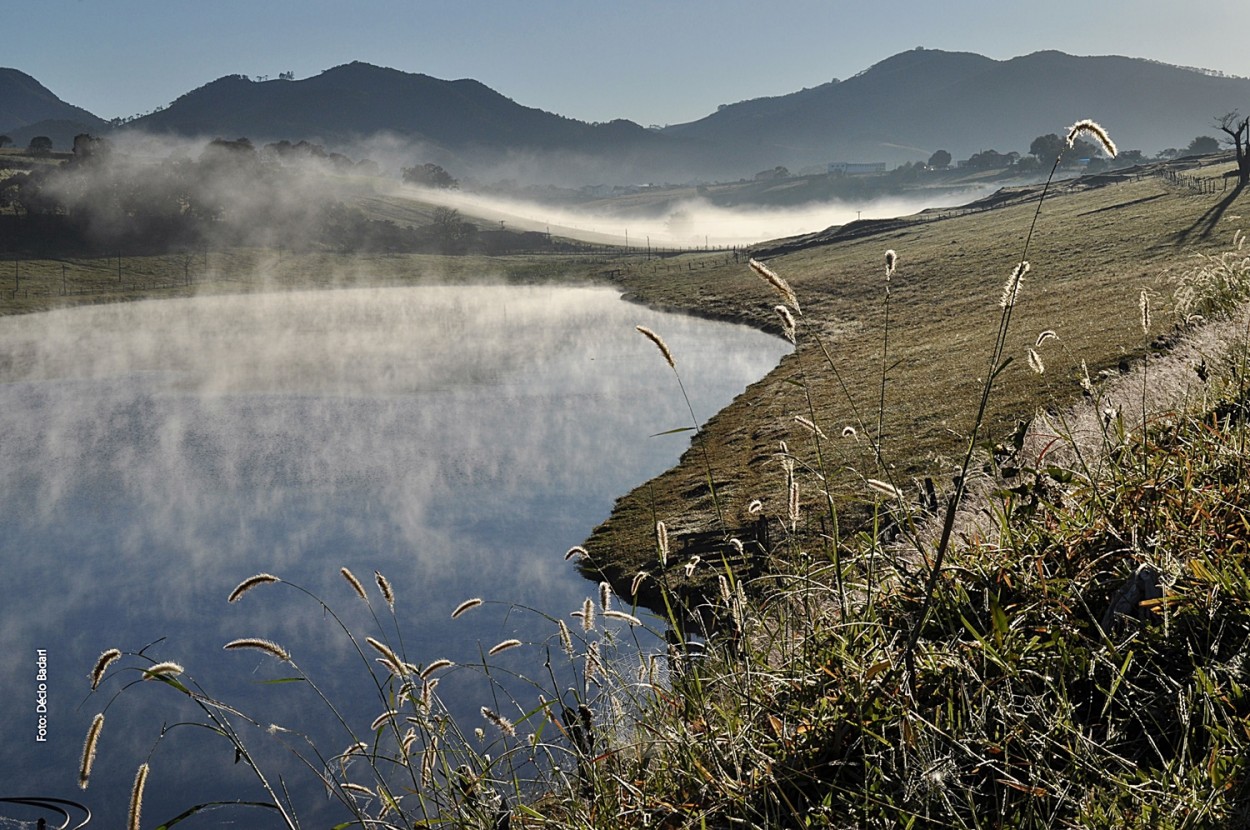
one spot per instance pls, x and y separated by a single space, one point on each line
456 439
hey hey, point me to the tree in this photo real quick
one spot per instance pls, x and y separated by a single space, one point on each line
940 159
5 141
88 148
1201 145
1047 149
988 160
430 175
40 145
1238 129
451 232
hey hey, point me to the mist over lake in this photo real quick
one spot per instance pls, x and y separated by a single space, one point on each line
458 440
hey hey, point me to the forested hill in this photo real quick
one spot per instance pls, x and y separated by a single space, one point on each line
909 105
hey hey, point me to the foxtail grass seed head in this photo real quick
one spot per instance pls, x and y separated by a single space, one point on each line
659 344
578 551
794 505
383 719
787 323
384 586
354 582
807 424
725 593
503 646
885 488
499 722
136 798
736 544
605 596
1035 362
101 666
594 667
437 665
429 759
1011 289
248 584
357 789
88 750
891 260
465 606
1087 127
692 564
566 638
755 507
1143 305
166 669
258 644
621 615
779 285
848 431
1048 334
427 694
637 583
661 542
359 748
387 652
588 615
1086 383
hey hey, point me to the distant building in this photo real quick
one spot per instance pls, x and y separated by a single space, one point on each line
856 168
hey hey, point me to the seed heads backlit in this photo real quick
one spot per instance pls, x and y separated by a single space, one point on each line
787 323
101 666
250 583
1035 362
659 344
781 286
1088 127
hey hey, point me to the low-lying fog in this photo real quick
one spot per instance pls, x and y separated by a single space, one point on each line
689 223
459 440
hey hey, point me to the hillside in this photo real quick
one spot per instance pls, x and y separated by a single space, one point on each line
458 122
909 105
28 109
901 109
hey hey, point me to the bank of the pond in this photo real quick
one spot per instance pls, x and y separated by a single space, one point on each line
1097 245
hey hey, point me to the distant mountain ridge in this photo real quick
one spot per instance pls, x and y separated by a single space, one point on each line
28 108
901 109
913 103
359 99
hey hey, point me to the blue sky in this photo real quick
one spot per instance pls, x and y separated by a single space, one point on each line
651 61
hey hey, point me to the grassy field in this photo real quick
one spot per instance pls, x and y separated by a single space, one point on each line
1095 248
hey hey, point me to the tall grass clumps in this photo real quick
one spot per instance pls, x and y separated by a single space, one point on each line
1061 638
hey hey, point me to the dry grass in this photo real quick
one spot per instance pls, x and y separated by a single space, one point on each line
1095 248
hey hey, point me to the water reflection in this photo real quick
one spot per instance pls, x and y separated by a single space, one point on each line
155 454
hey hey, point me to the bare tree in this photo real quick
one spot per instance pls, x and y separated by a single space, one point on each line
1237 127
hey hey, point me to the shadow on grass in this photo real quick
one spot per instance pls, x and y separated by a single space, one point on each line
1205 226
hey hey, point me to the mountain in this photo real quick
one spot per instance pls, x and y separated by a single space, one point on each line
461 120
900 109
911 104
28 109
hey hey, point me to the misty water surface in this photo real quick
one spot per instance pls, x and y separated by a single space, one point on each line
155 454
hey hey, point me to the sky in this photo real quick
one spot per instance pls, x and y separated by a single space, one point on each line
650 61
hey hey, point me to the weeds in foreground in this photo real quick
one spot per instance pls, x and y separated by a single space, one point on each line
1078 659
